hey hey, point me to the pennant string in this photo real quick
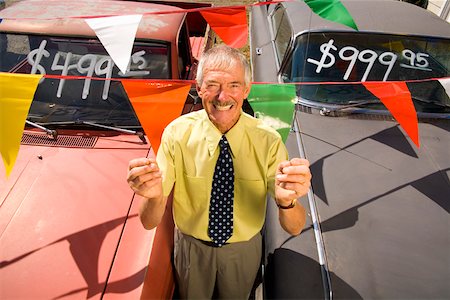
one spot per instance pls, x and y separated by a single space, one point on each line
254 82
161 12
150 97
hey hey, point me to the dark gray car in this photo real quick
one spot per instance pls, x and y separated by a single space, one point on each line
379 225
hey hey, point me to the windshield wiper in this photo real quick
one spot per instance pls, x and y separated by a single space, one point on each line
53 134
326 111
138 133
426 101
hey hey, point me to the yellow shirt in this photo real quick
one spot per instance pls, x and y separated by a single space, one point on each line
187 157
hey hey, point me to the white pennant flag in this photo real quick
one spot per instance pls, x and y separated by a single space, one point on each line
117 35
445 82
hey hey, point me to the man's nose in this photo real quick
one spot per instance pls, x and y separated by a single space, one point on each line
222 95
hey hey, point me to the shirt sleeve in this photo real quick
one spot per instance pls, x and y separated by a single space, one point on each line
277 154
165 159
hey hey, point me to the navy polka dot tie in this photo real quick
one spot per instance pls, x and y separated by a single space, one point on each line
220 227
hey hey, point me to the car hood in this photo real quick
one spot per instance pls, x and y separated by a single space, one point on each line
67 214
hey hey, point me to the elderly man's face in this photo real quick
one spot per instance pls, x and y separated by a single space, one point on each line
223 93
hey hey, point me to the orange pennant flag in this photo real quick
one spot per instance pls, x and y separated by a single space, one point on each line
230 24
156 104
397 98
16 95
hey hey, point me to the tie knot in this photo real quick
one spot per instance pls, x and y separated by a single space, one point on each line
223 143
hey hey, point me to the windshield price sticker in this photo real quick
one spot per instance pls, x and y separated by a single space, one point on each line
87 64
370 57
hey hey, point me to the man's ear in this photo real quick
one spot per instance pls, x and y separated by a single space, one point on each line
199 90
248 88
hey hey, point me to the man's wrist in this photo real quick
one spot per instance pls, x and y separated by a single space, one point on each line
287 206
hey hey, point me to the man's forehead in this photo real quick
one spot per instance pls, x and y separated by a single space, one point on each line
223 80
223 75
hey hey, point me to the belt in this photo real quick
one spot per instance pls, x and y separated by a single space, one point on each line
210 244
206 243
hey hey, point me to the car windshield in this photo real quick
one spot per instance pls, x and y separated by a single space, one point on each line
93 94
358 57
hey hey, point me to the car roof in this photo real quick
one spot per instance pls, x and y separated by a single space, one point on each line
63 17
379 16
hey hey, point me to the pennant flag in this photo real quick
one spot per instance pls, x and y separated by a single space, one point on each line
397 99
274 105
230 24
117 35
16 95
445 82
332 10
156 104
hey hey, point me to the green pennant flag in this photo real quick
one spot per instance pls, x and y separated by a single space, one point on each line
332 10
274 105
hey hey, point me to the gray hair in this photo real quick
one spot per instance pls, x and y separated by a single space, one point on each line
224 58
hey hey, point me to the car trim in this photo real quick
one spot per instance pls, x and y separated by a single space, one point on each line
326 280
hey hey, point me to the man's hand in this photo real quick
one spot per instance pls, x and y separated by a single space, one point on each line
293 179
144 178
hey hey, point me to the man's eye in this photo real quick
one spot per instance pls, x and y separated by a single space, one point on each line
235 85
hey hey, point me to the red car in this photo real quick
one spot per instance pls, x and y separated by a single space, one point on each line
69 225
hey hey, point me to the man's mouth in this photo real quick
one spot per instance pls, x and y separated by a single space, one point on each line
223 107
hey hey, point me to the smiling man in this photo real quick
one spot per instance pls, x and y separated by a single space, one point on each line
220 163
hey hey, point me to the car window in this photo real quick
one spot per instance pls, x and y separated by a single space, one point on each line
94 95
282 32
356 57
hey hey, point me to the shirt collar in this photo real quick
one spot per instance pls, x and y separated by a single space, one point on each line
213 135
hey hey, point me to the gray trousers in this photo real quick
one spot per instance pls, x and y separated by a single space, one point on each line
204 272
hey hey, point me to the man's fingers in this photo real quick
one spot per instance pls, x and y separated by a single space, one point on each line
296 178
283 165
294 166
140 162
299 161
294 170
289 190
297 166
140 167
296 187
145 182
144 178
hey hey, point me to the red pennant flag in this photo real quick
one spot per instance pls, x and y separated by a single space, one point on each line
156 104
397 98
230 24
